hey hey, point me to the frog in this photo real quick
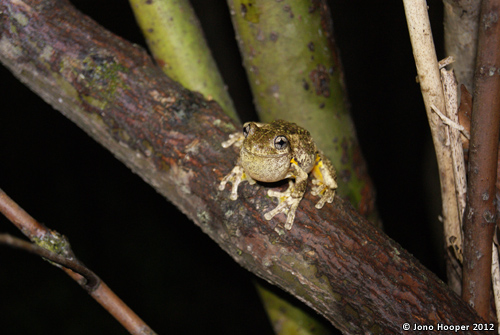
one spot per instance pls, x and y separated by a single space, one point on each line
271 152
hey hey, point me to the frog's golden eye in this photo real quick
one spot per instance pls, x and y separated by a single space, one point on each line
280 142
246 129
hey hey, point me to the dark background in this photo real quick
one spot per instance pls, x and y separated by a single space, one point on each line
161 264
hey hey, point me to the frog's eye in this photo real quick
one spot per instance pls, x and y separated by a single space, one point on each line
246 129
280 142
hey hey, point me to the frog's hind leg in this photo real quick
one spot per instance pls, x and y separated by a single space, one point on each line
324 180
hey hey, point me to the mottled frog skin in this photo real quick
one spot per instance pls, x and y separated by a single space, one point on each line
280 150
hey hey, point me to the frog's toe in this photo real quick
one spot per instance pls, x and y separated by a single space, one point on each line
236 139
269 215
319 187
288 205
281 208
316 190
222 185
291 215
223 182
235 177
276 194
327 196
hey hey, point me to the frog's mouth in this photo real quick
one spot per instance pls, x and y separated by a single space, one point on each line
250 152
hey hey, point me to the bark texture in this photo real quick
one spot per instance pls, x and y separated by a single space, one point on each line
480 213
332 259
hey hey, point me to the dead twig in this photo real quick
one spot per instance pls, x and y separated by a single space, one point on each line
433 95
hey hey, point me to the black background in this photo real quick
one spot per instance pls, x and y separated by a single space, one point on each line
157 261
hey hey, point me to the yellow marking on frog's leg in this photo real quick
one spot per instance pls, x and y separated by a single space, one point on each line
235 177
324 180
290 199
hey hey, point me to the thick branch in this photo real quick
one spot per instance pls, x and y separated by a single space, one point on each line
480 212
332 259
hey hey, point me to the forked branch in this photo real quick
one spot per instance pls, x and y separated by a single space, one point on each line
55 247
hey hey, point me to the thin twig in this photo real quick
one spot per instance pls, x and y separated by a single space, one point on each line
454 238
445 62
92 281
48 239
30 227
480 212
449 122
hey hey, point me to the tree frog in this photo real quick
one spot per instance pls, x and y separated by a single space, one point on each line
280 150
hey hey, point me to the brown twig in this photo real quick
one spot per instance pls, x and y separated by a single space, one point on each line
91 282
480 212
30 227
56 248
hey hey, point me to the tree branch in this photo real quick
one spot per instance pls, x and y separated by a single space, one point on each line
480 213
91 281
333 259
55 247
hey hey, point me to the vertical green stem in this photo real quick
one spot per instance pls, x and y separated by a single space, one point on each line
175 39
295 74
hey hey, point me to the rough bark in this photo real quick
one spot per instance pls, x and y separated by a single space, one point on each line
332 259
480 213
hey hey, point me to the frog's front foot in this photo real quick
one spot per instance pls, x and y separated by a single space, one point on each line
236 139
235 177
326 193
288 205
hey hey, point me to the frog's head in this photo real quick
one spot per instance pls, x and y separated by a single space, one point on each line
266 152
